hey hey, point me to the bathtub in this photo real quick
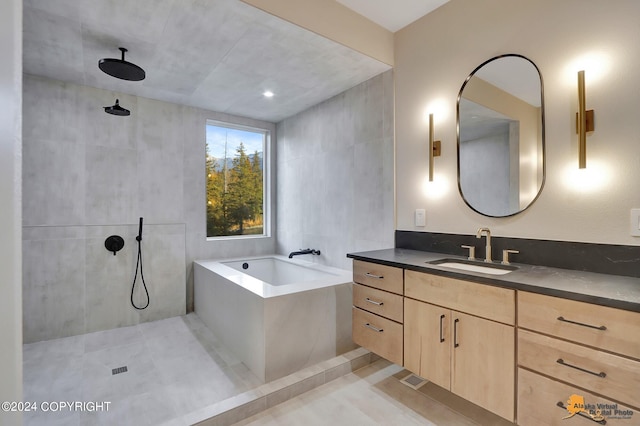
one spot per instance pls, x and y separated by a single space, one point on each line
277 315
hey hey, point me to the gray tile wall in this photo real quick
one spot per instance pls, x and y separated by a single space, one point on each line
335 171
88 175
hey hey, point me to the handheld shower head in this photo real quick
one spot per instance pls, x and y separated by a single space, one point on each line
139 237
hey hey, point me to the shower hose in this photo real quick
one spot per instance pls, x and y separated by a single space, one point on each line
135 277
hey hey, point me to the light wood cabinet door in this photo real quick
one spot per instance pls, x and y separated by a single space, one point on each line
427 342
382 277
542 401
483 363
379 302
378 334
601 372
601 327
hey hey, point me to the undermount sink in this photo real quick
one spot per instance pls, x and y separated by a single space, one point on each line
485 268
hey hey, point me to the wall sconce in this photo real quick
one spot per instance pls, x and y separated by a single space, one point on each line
434 148
584 123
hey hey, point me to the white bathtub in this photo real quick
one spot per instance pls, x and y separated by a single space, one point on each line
278 315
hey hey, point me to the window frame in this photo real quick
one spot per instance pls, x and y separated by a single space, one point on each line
266 179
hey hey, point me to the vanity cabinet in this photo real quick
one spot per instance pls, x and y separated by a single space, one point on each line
377 313
461 336
523 356
567 347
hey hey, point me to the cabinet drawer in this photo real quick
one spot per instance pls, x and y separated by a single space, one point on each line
379 302
538 399
379 276
603 373
581 322
379 335
494 303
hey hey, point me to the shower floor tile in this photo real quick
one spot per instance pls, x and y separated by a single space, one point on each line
174 366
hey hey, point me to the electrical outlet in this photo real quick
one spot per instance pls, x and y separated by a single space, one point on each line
635 222
421 217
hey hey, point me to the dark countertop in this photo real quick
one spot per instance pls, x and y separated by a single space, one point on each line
602 289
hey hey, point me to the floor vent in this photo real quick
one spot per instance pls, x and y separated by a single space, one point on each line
413 381
119 370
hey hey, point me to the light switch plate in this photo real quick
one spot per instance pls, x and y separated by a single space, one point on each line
421 217
635 222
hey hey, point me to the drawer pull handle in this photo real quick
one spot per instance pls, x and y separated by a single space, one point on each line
374 302
600 374
581 414
602 327
379 330
441 337
374 276
455 333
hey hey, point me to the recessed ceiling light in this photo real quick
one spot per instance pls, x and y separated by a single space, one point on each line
268 94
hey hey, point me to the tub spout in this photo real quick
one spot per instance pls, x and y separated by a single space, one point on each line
305 251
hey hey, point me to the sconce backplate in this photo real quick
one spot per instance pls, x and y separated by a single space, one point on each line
437 150
590 121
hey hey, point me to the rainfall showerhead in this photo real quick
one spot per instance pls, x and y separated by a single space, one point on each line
117 110
122 69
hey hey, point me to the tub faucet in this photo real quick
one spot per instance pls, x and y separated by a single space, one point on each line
487 232
305 251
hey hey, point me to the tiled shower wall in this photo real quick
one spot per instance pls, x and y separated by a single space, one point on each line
88 175
335 174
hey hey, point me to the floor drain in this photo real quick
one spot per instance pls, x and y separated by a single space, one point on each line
413 381
119 370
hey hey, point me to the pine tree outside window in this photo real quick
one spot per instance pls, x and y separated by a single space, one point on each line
235 176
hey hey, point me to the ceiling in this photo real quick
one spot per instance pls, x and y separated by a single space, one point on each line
514 75
393 16
219 55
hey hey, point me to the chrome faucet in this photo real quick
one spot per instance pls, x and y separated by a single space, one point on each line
487 232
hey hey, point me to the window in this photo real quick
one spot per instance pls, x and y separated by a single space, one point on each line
236 184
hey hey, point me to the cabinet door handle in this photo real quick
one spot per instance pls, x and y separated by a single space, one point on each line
455 332
602 327
379 330
374 276
600 374
374 302
582 414
441 336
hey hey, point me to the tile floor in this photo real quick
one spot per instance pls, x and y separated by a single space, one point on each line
174 366
374 395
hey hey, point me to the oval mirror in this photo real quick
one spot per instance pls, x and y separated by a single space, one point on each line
501 136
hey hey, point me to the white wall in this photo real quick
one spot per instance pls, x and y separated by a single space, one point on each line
335 174
88 175
10 212
433 57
